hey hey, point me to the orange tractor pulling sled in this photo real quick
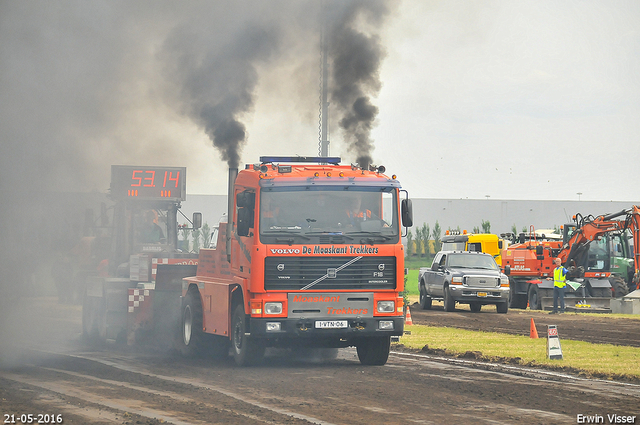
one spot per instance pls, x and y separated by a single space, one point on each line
137 286
297 267
530 262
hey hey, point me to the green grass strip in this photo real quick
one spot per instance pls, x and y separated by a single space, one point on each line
593 360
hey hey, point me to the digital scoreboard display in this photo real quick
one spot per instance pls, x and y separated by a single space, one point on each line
148 183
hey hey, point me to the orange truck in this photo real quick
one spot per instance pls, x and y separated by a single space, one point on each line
311 257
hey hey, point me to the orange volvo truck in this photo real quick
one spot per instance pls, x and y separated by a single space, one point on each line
311 257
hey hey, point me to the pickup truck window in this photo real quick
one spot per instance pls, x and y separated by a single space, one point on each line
472 261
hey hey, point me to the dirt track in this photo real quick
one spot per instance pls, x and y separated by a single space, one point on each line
50 370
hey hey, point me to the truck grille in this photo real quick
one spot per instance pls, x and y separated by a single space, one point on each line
295 273
481 281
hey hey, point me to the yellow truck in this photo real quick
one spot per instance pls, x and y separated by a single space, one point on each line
477 242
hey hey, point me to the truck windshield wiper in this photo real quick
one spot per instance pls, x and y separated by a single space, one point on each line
329 233
284 232
373 234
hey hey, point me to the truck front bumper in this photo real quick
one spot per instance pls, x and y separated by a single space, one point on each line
465 294
309 328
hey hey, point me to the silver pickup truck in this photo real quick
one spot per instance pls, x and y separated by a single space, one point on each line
464 277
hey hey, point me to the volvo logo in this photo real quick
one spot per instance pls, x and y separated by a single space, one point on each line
381 267
280 267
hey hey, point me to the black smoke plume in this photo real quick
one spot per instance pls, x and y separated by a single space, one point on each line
356 58
216 82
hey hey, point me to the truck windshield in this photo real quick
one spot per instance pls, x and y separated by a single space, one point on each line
472 261
453 246
331 215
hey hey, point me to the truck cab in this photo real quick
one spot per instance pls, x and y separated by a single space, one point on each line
477 242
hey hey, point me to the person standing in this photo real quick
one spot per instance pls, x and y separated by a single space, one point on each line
559 283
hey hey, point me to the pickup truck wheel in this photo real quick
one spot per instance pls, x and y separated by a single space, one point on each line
247 351
475 307
449 302
374 351
425 300
502 308
534 298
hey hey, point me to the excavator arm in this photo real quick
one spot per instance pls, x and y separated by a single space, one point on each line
589 229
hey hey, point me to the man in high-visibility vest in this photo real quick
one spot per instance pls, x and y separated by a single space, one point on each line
559 283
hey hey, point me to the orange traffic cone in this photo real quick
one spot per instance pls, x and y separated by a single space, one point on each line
533 333
407 320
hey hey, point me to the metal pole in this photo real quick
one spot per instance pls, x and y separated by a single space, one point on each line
324 145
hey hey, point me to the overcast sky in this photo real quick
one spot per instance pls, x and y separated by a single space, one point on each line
505 99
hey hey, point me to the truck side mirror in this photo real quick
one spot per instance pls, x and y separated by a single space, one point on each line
539 252
197 220
407 213
246 199
507 270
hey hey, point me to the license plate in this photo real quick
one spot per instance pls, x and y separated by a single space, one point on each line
331 324
482 294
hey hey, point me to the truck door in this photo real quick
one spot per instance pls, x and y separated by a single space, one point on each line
436 276
439 276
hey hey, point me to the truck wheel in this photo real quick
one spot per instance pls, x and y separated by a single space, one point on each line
449 302
192 334
475 307
502 308
620 287
246 350
374 351
534 298
425 300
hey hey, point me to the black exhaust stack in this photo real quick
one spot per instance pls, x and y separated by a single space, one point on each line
233 173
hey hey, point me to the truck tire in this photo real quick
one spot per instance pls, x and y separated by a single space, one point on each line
620 287
246 350
425 300
535 301
192 334
502 308
449 302
374 351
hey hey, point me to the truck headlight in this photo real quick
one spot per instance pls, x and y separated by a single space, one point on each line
504 282
456 280
386 306
272 308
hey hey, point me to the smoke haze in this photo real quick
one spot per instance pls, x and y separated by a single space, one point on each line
87 85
